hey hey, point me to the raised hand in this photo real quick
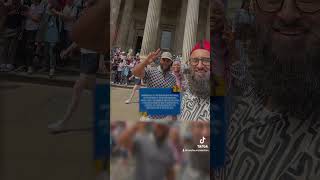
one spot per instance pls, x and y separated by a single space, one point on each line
152 56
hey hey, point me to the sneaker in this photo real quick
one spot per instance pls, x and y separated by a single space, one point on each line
56 126
3 66
9 67
128 101
20 69
51 73
30 70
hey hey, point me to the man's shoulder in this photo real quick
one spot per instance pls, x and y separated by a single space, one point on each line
149 70
152 68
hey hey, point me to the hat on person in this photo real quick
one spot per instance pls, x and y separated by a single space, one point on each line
176 61
204 44
167 55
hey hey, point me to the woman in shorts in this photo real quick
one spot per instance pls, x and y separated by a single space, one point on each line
89 65
137 85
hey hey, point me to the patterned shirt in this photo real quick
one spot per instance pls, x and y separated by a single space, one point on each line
194 108
154 77
270 145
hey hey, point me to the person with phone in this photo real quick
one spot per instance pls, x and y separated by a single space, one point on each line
198 85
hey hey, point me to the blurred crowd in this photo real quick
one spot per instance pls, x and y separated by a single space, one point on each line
122 63
147 149
34 34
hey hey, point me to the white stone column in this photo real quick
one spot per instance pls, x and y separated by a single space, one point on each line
201 30
191 25
178 37
131 35
151 27
208 24
125 24
114 13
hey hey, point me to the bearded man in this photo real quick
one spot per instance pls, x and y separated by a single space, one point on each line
274 131
195 105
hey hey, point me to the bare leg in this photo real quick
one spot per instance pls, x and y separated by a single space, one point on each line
85 81
135 88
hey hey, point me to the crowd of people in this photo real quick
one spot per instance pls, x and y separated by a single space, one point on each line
35 35
122 64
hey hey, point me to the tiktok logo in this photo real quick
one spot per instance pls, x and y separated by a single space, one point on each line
202 140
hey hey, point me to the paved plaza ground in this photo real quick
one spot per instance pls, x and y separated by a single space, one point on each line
28 151
122 111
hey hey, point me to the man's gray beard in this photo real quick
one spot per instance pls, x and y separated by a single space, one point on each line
199 87
290 78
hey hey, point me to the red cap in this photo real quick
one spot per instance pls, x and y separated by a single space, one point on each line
204 44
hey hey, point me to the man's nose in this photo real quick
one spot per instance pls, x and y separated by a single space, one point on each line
200 65
289 12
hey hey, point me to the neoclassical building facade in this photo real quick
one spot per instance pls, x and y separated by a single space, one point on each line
172 25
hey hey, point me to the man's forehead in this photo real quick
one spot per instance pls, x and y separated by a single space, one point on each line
199 53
